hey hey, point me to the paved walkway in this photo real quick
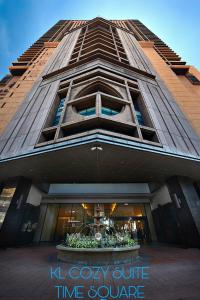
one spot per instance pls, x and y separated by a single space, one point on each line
174 274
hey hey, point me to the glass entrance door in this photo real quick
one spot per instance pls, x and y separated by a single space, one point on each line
136 226
74 218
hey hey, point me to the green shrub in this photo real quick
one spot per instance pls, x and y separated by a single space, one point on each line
76 240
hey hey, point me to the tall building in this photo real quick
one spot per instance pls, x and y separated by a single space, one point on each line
100 112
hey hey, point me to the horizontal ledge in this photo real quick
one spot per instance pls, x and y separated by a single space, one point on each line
146 44
180 69
94 57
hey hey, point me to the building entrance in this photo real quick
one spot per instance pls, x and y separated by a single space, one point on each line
60 219
137 226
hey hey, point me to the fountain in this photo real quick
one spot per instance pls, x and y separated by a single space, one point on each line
97 243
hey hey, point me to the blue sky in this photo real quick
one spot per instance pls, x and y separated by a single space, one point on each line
177 22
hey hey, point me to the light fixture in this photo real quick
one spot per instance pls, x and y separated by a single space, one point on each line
99 148
113 207
84 206
125 203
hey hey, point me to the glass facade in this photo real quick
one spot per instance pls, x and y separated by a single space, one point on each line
61 219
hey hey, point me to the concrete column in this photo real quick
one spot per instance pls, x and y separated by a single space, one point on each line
192 199
150 222
186 205
22 215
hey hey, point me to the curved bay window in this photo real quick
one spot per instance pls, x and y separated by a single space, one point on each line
98 87
99 102
110 107
99 107
86 107
98 96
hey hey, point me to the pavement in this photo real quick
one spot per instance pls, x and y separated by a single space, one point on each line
161 272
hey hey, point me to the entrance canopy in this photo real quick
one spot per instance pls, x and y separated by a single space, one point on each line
99 161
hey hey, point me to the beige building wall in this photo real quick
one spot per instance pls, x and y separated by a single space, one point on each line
15 96
186 94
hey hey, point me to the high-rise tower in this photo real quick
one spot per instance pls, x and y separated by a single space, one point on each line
100 112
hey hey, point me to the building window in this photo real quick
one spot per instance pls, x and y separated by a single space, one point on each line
3 104
99 38
138 111
193 79
98 87
139 116
88 111
108 107
108 111
98 101
59 111
5 79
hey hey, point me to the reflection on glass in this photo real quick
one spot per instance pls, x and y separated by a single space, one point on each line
138 111
50 223
108 111
74 218
139 117
88 111
70 219
129 210
59 111
5 199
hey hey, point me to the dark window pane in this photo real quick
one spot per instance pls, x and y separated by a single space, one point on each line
58 113
193 78
139 118
109 111
88 111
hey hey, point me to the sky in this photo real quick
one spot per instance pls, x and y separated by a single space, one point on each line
22 22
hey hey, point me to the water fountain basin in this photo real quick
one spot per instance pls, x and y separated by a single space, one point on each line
94 256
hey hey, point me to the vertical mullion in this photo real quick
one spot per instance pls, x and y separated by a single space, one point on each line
98 104
64 110
66 100
133 109
79 54
115 44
